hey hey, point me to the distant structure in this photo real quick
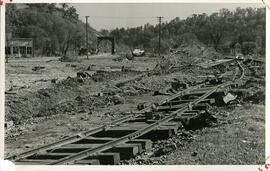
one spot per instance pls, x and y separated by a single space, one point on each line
237 48
20 47
109 38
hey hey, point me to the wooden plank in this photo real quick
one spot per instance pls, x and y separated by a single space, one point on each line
160 133
73 148
131 126
125 150
192 111
94 140
173 128
33 162
125 127
141 119
169 108
177 102
87 162
123 82
109 158
105 158
49 156
114 132
146 144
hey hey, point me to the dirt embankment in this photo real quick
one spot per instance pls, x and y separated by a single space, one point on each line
70 95
77 95
189 52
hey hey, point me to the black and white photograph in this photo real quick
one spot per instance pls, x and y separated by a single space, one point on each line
135 83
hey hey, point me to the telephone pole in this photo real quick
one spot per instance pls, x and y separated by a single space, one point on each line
86 29
159 30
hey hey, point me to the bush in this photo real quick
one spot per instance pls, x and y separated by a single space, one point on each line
248 47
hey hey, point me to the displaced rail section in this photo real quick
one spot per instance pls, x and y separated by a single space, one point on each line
133 134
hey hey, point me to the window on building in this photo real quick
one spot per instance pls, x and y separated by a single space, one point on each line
7 50
15 50
22 49
29 50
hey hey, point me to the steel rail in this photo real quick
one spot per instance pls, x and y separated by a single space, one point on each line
83 135
111 144
66 140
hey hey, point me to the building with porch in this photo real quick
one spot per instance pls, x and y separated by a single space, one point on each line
20 47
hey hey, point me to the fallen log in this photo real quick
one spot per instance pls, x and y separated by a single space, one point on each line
123 82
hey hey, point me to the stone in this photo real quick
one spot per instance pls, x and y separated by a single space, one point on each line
117 99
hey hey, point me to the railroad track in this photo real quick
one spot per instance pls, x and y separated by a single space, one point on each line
131 135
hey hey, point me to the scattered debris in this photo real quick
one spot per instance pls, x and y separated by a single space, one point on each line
117 99
202 119
28 146
229 98
37 68
194 153
138 52
9 125
84 74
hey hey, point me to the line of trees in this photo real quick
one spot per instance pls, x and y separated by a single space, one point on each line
57 30
221 30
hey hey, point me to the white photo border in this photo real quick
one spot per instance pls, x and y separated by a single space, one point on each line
134 167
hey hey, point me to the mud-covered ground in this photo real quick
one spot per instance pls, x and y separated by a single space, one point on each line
44 111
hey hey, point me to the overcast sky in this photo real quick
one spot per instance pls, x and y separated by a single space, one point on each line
113 15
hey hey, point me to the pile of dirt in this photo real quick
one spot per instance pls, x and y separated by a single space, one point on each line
107 76
124 56
152 83
66 96
189 52
61 98
193 48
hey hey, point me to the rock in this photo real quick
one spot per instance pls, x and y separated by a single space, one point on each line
37 68
245 141
53 80
72 113
83 110
194 153
141 106
100 94
229 97
117 99
80 79
44 92
9 124
28 146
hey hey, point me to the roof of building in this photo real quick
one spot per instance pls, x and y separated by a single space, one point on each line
21 42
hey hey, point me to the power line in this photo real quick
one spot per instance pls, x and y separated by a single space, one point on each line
86 29
159 30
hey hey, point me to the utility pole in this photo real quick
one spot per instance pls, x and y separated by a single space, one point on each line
86 29
159 30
